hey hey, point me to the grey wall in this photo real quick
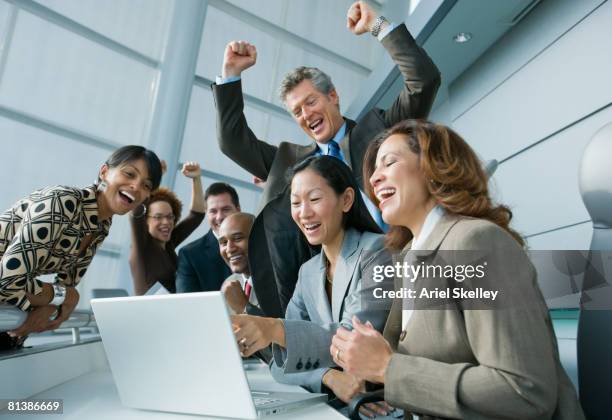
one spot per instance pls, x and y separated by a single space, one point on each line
533 101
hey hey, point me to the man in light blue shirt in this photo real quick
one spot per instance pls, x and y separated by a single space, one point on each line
276 248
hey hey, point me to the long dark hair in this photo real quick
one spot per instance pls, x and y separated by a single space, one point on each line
456 177
339 177
131 153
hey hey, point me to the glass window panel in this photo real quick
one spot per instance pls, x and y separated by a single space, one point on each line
249 201
283 129
324 22
347 81
5 13
221 28
103 273
274 10
200 138
39 159
138 24
67 79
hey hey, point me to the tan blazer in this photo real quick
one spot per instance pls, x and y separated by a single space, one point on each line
479 364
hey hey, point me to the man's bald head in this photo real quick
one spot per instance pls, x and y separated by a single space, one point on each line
240 217
234 241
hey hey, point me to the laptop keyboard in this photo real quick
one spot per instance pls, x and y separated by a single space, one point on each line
259 401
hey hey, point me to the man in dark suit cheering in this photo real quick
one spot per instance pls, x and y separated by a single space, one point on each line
200 266
276 247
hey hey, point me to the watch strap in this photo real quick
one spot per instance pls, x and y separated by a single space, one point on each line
59 294
377 25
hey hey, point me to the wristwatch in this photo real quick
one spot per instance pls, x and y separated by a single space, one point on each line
59 294
377 25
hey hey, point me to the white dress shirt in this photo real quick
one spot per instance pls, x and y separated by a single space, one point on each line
252 297
432 219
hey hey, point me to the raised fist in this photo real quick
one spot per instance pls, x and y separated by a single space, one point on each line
360 17
239 56
191 169
234 296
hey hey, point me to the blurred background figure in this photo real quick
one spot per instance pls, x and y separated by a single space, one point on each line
157 230
200 266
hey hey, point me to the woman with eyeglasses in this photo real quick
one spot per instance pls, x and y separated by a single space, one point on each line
156 233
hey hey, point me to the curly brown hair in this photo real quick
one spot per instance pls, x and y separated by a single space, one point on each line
164 194
458 181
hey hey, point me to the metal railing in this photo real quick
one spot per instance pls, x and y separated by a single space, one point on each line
11 318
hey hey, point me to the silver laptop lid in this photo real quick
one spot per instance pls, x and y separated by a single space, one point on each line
174 353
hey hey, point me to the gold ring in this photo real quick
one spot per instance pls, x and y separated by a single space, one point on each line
338 355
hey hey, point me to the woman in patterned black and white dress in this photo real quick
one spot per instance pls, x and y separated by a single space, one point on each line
57 230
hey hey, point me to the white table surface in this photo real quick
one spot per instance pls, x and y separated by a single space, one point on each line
94 396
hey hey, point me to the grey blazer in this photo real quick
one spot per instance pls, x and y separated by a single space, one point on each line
310 321
461 362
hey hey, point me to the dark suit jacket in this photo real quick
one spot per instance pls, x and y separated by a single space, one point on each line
200 266
276 247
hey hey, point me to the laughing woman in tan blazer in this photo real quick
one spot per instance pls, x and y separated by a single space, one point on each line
458 361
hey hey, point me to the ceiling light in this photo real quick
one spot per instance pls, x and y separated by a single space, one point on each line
462 37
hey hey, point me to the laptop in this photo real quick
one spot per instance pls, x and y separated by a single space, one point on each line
177 353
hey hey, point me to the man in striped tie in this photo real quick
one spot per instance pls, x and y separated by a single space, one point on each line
234 249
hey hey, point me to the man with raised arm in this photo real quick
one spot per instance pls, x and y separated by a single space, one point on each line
276 248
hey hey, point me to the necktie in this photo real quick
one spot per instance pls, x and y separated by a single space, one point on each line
333 149
247 290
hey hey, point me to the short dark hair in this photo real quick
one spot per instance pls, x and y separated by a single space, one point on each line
131 153
218 188
339 177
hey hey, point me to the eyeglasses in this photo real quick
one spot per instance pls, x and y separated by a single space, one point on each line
160 217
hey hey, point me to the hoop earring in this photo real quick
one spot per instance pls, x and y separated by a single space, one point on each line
141 214
102 185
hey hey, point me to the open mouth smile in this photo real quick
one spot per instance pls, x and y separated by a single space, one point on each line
384 194
311 227
126 197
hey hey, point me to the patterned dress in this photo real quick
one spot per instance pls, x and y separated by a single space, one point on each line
41 234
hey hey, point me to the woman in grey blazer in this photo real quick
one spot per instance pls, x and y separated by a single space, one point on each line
465 358
332 287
